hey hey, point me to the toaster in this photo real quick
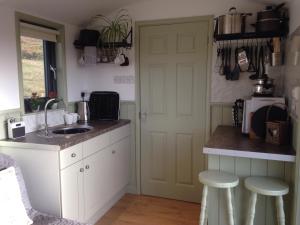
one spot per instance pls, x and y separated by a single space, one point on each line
15 129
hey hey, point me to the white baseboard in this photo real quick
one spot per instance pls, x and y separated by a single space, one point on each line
94 219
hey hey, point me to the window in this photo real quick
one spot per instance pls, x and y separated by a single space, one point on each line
38 60
32 54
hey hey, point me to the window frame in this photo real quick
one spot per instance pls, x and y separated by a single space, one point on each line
60 56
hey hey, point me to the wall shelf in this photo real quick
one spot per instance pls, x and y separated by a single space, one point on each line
250 35
126 43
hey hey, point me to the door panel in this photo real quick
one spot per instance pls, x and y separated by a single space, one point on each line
157 87
186 43
158 148
185 89
173 74
184 159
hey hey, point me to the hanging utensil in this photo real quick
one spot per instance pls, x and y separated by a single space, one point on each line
256 65
262 72
221 70
251 67
228 66
235 73
242 58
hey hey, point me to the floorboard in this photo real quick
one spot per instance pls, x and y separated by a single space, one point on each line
145 210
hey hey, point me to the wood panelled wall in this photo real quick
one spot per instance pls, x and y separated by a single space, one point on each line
243 167
128 111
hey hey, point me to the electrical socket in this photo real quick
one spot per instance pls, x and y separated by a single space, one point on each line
124 79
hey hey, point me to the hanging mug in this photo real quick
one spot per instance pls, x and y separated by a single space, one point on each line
120 58
126 61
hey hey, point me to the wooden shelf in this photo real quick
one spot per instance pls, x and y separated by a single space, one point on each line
251 35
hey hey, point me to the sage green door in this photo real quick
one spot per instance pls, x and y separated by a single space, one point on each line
173 74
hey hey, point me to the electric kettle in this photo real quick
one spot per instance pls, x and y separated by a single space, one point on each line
83 111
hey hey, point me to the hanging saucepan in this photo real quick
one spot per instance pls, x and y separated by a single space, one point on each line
270 19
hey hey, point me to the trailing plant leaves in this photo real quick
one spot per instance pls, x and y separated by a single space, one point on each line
112 30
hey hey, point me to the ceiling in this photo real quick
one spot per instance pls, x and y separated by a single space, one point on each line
82 10
59 10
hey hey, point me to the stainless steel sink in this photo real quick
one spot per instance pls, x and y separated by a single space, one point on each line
72 130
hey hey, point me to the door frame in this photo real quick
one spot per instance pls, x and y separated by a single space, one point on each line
138 25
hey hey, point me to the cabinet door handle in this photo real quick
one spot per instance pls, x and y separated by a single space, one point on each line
87 167
113 152
73 155
81 170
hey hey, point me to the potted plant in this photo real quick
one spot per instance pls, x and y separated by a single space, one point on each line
112 31
35 102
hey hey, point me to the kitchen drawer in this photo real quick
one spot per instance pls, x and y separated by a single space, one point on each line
95 144
119 133
70 156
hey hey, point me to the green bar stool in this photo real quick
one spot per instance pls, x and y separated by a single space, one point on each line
269 187
217 179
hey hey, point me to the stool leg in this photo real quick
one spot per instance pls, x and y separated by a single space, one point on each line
203 205
251 210
229 206
280 210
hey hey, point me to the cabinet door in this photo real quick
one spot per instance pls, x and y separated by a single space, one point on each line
121 157
72 192
97 181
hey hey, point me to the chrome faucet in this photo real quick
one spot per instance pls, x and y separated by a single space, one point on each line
46 112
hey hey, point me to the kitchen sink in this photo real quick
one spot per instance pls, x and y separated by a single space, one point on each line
72 130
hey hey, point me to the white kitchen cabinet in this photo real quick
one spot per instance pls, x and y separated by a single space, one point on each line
97 179
121 153
88 178
106 174
72 192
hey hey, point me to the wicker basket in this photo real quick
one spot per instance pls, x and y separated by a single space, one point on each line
107 55
277 131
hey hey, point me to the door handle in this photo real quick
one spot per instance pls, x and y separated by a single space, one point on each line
87 167
81 170
143 116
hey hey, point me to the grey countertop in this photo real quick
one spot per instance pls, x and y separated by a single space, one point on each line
229 141
65 141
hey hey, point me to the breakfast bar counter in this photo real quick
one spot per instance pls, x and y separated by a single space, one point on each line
230 151
229 141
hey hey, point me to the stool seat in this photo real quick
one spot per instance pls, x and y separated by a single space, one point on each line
217 179
266 186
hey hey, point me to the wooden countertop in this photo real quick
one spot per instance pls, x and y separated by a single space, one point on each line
229 141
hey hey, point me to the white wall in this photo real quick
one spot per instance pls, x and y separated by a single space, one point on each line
9 86
76 79
102 76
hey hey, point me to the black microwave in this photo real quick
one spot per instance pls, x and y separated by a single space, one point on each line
104 105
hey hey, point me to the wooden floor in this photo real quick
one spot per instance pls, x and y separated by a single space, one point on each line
144 210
